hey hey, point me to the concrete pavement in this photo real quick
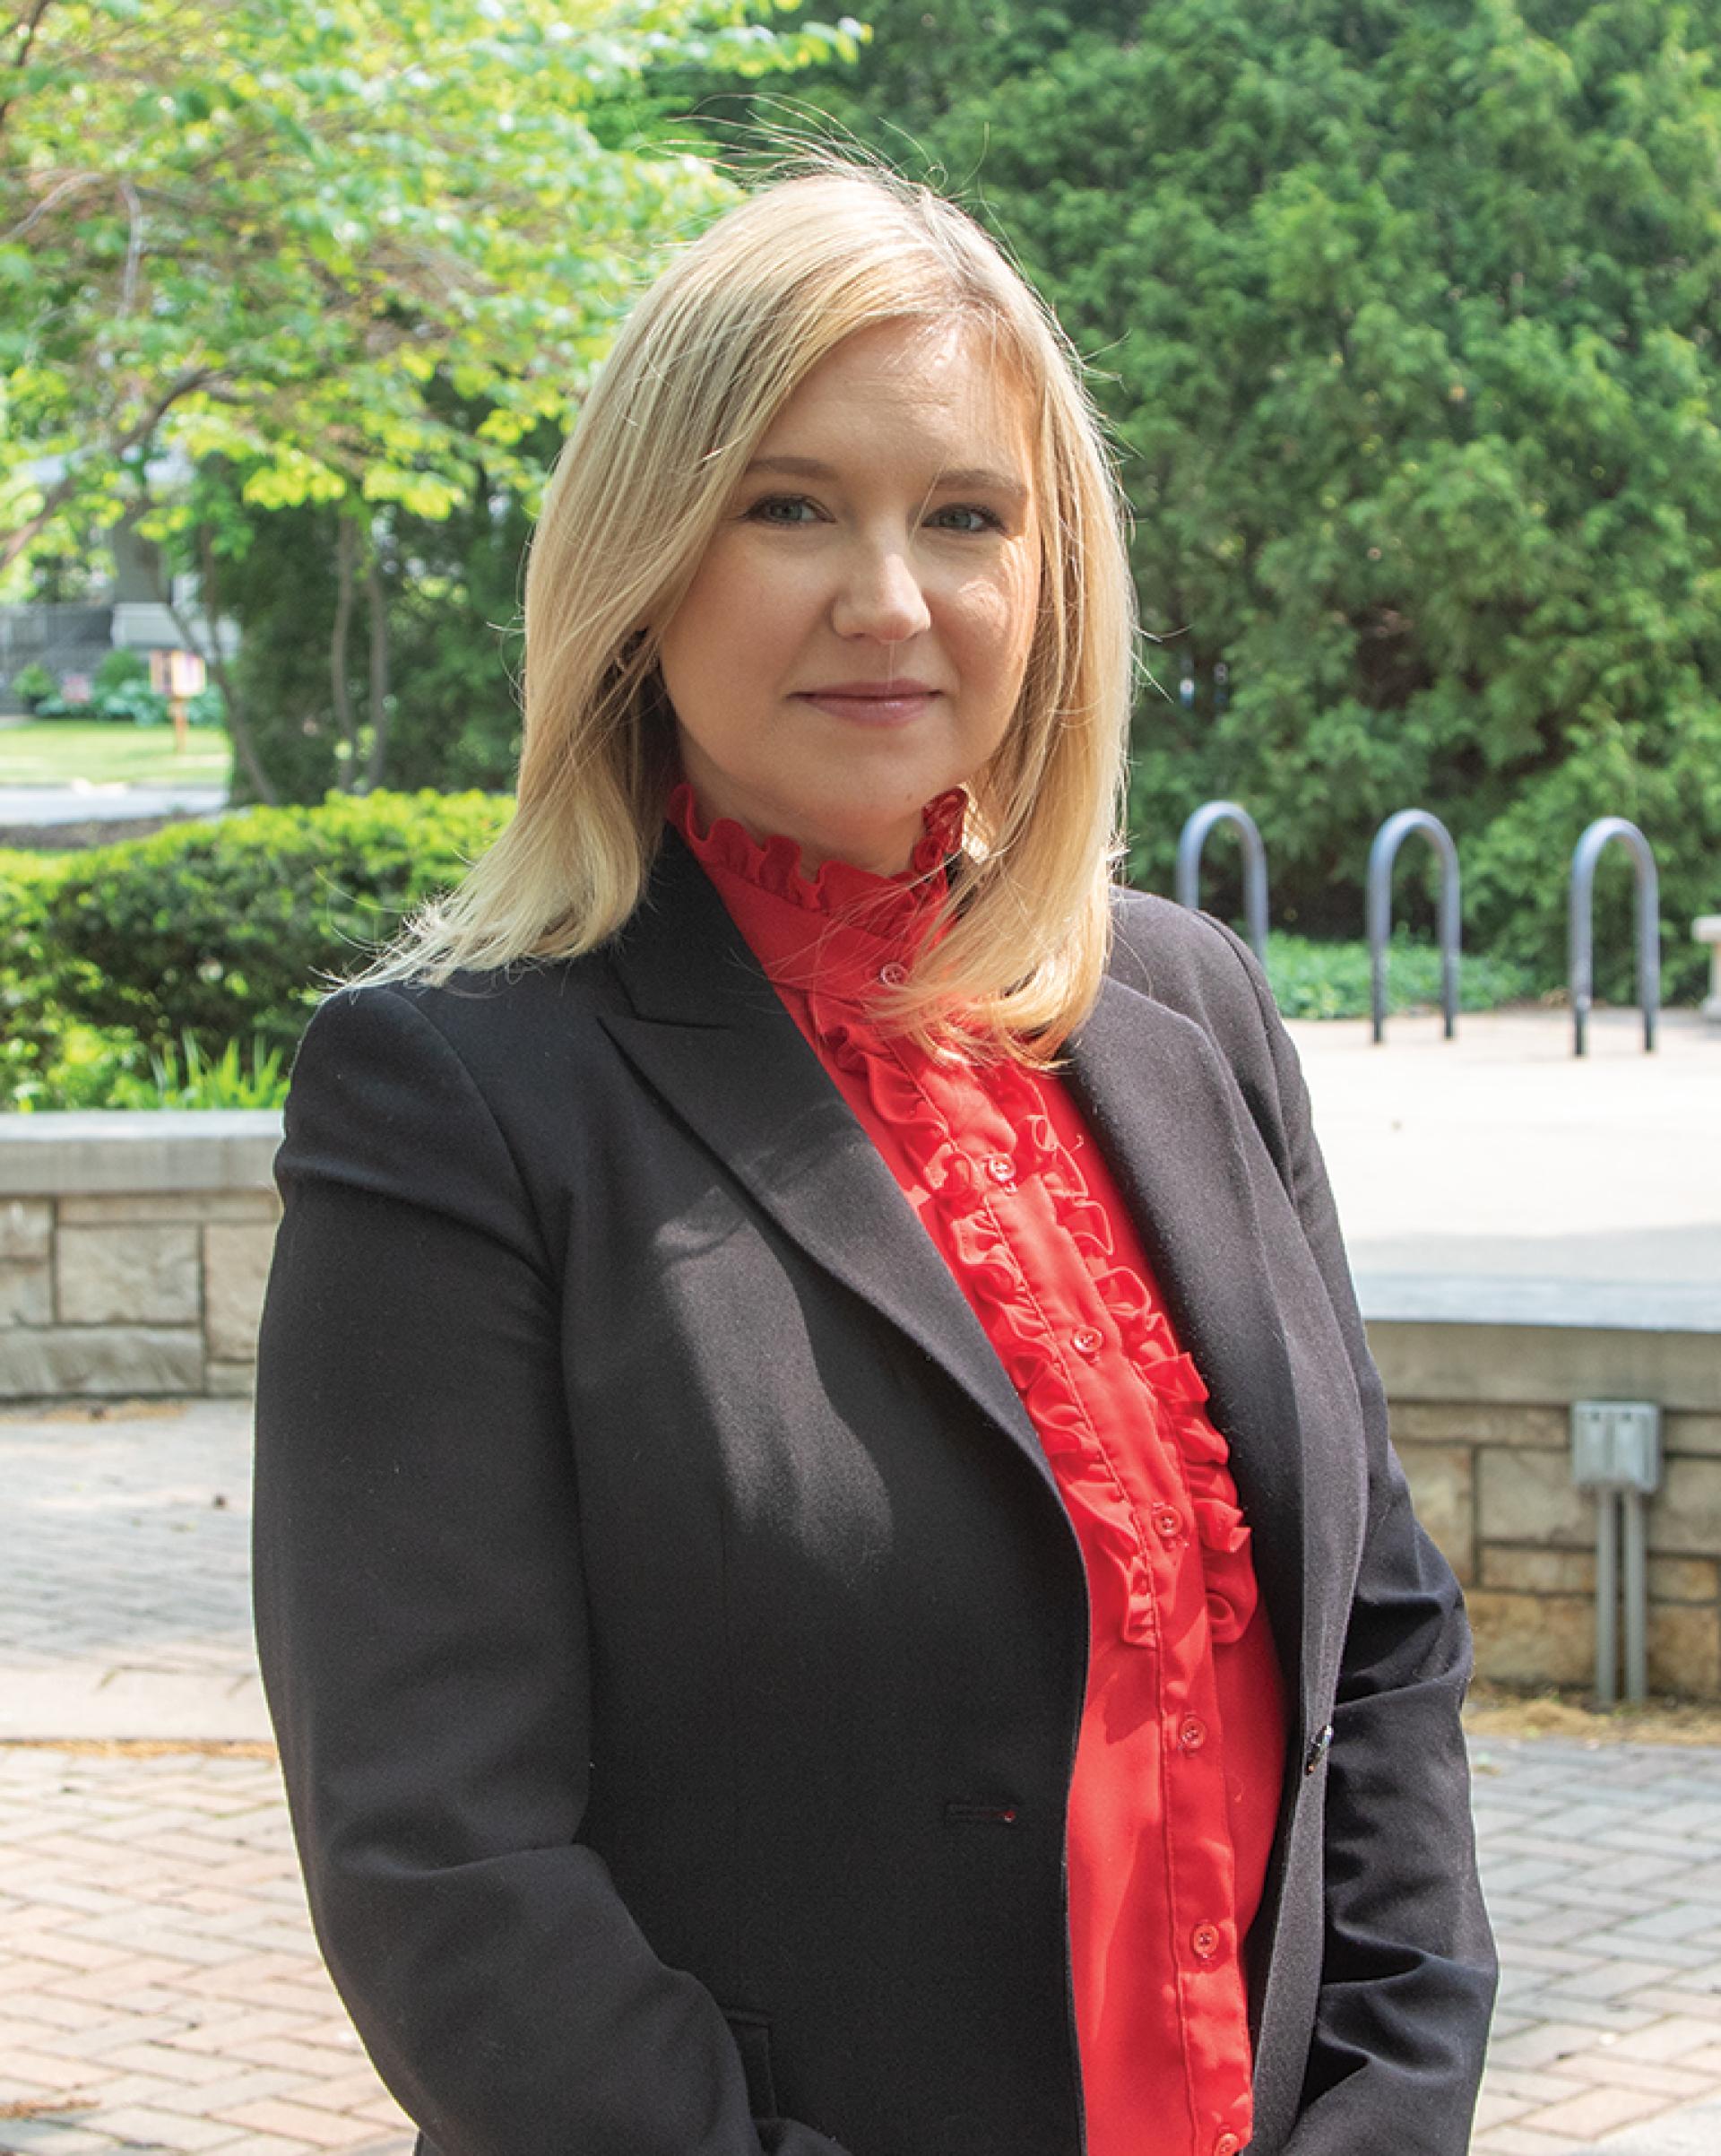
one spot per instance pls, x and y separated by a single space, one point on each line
1498 1176
104 801
159 1988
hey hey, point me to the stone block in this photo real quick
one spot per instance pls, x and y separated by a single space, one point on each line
26 1229
235 1271
229 1380
1479 1423
1691 1434
1537 1571
128 1276
78 1360
1686 1513
155 1207
26 1294
1527 1497
1685 1579
1533 1639
1685 1652
1442 1484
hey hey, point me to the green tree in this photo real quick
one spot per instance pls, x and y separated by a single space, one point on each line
272 235
1405 318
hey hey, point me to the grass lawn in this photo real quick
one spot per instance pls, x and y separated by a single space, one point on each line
57 753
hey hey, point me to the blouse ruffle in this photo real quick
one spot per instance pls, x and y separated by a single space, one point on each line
866 931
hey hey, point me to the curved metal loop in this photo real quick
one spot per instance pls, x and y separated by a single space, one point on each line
1193 838
1582 925
1387 840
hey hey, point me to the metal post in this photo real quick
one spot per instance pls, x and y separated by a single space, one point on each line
1387 840
1190 842
1607 1598
1581 926
1637 1596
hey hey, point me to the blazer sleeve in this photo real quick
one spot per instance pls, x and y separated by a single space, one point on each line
423 1632
1408 1970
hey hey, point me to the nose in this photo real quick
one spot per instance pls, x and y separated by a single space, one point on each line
880 595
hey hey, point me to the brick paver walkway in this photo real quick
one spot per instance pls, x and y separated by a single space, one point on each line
160 1989
159 1986
1603 1870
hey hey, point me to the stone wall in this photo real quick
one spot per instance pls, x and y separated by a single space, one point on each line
1481 1414
135 1247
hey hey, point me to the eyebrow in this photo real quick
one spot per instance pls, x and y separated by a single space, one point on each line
981 476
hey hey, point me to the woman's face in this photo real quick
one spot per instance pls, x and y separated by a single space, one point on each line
854 639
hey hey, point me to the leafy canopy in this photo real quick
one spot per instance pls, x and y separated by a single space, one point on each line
240 229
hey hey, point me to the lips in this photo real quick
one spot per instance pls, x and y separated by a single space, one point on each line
871 703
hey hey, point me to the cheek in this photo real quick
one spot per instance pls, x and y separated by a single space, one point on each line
999 615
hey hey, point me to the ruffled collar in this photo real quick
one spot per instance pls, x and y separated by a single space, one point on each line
845 931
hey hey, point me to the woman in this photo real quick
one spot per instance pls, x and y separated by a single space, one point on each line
828 1570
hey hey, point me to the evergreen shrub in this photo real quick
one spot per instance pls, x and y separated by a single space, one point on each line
232 930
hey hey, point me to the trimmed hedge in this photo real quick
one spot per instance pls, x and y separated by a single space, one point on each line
231 930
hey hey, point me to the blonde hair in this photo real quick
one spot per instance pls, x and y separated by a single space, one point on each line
703 365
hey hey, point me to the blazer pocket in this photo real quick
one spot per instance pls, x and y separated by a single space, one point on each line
752 2034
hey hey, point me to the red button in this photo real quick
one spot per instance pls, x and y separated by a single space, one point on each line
1088 1340
1227 2144
1166 1519
1193 1735
1001 1168
1205 1939
893 975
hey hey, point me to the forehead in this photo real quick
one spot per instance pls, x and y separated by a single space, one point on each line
933 386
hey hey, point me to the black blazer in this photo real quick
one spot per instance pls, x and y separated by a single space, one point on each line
663 1595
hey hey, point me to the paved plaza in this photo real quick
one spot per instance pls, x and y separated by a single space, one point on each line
160 1989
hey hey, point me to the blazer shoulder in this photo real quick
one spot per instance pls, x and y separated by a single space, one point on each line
1200 969
497 1021
1188 960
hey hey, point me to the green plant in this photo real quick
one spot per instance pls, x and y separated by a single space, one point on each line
94 1066
31 1020
121 667
233 927
32 684
1313 980
135 704
188 1076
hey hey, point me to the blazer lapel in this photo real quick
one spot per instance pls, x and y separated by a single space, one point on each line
1159 1102
709 1035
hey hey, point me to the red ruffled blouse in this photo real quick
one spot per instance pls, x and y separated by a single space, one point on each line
1178 1767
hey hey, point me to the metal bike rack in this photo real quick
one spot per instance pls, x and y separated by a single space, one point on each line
1190 842
1387 840
1580 912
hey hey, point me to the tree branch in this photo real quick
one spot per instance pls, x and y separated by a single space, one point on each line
63 489
27 25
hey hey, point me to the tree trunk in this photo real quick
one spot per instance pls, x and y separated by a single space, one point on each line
339 684
377 596
236 723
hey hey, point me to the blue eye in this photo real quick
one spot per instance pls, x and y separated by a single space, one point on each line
783 509
984 520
